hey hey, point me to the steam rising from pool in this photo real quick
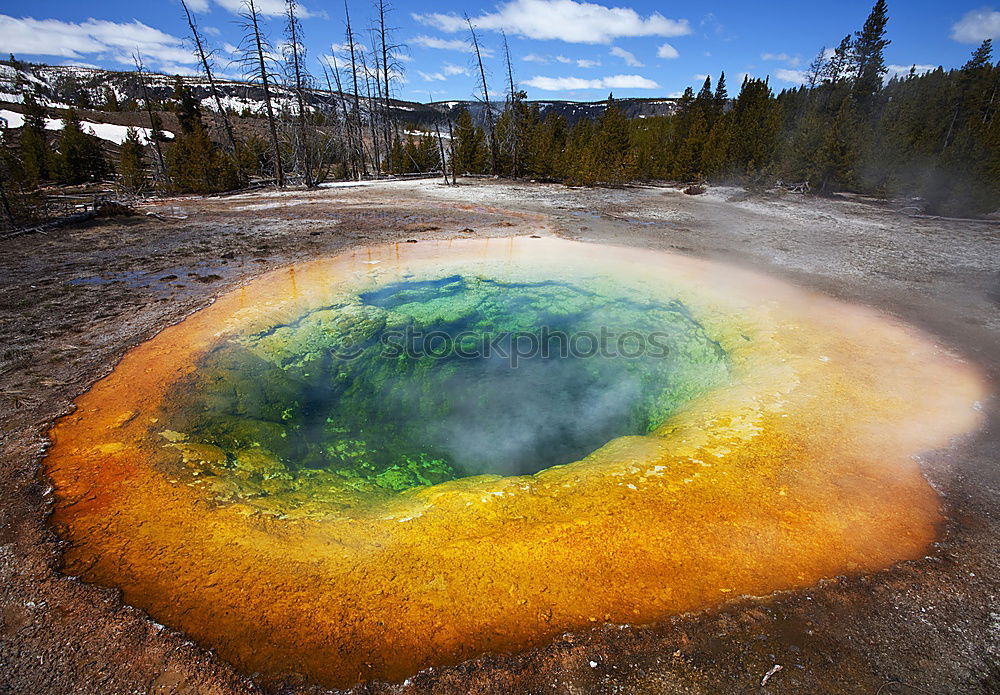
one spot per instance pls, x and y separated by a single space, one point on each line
420 382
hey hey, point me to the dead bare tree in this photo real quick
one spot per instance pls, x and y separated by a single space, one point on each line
377 108
491 128
513 103
814 73
376 161
346 130
451 143
203 56
294 55
255 45
389 67
8 213
154 130
437 129
357 99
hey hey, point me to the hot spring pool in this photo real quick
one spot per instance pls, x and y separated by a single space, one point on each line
406 456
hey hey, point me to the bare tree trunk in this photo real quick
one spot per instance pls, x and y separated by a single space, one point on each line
951 127
514 134
451 142
391 130
386 67
294 36
153 130
437 129
7 211
988 112
371 117
357 98
486 97
346 127
378 107
208 74
261 69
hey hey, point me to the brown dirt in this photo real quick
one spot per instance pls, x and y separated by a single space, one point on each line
73 300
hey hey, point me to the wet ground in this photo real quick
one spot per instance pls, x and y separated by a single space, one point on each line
73 300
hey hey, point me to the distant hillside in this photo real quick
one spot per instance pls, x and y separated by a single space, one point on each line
63 86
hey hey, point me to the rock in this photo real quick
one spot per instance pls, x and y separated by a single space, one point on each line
259 462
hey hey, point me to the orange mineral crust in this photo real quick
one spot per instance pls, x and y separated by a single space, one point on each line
800 467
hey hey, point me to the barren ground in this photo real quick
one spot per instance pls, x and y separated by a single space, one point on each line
73 300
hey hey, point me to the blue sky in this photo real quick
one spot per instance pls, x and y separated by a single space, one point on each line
561 49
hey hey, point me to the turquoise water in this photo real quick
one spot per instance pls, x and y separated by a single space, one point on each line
420 382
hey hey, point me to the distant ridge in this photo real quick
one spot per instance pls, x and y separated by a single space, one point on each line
61 86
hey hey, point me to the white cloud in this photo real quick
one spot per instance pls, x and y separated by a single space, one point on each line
346 48
904 70
629 58
449 44
792 61
556 84
976 26
667 51
211 31
791 76
198 5
545 60
268 8
53 37
452 69
699 77
563 20
175 69
432 77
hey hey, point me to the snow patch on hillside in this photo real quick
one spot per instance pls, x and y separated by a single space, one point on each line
105 131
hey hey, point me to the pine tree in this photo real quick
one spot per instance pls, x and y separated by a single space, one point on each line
981 57
704 97
868 52
836 160
197 165
132 166
547 142
579 165
20 200
688 166
755 125
111 100
681 121
611 154
186 107
471 153
719 98
716 151
80 156
36 155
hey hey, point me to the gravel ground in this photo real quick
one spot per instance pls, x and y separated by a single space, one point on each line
73 300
